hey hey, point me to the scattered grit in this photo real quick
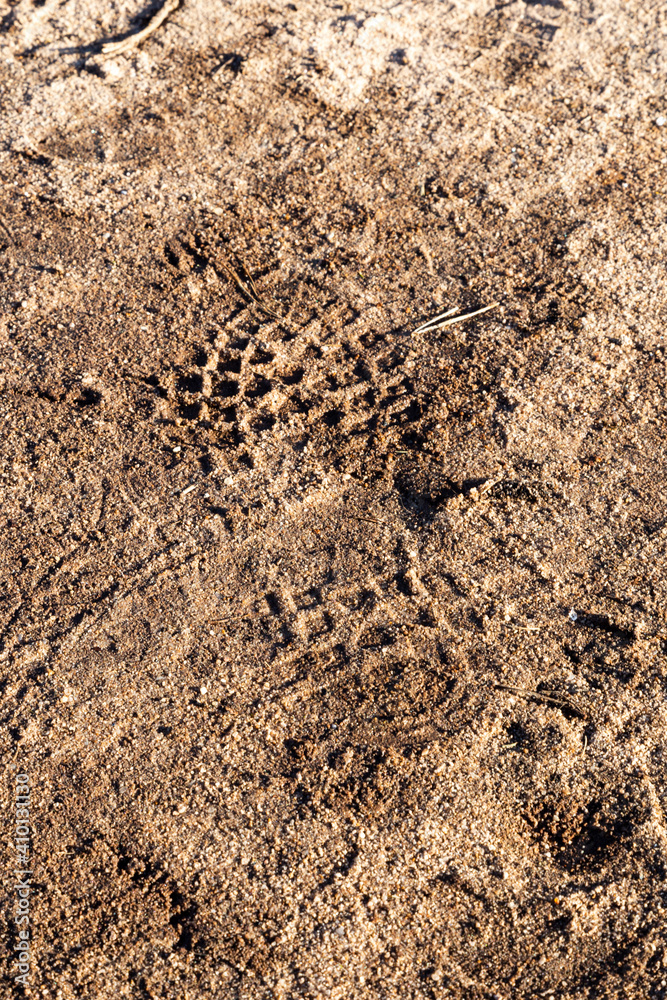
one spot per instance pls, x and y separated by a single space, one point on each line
335 651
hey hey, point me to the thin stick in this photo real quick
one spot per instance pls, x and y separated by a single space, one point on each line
117 48
450 312
373 519
188 489
560 702
223 65
432 325
488 485
464 316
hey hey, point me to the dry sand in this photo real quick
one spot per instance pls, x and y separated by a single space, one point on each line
272 562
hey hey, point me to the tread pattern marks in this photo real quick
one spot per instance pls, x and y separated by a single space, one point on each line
297 393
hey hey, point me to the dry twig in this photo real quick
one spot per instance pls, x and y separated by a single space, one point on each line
448 319
125 44
539 696
375 520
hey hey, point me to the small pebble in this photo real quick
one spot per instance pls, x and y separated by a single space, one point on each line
660 121
573 615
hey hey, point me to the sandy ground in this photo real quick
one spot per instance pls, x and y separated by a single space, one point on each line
335 651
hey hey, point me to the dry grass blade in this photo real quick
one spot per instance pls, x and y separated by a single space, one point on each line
374 520
449 320
540 696
243 288
251 282
125 44
489 484
450 312
249 289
